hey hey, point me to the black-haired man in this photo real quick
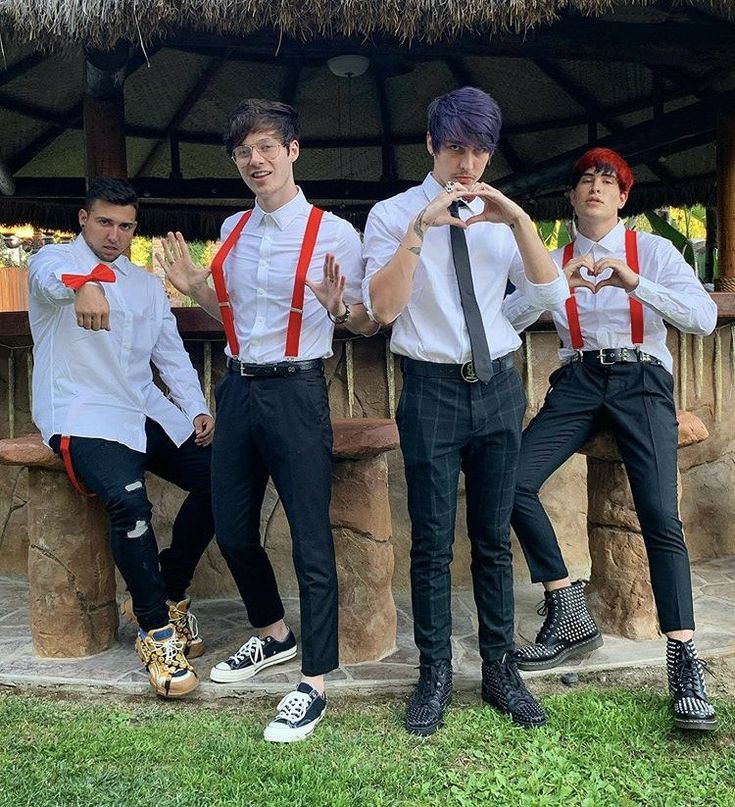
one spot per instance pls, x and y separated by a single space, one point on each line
98 321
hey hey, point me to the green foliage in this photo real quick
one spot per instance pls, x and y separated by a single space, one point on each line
600 749
661 227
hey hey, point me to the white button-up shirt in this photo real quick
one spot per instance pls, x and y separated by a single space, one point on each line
259 274
99 383
668 289
432 326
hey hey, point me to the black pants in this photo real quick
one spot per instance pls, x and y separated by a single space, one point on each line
445 425
279 428
636 402
116 474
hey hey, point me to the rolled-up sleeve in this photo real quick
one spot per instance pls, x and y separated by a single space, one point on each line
45 269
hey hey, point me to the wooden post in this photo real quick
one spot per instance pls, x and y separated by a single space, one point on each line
709 259
726 201
104 112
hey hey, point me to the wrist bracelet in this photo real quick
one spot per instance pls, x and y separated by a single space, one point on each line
342 318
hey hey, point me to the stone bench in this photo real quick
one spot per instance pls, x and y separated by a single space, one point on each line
71 574
619 592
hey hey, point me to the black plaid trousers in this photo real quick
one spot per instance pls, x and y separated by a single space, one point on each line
447 425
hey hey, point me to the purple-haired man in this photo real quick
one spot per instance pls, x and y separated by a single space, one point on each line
438 259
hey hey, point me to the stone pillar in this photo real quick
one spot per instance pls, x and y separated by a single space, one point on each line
70 569
361 523
619 594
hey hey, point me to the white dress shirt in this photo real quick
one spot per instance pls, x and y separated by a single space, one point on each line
260 271
668 289
99 383
432 326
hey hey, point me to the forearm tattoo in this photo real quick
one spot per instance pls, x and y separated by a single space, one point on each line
417 225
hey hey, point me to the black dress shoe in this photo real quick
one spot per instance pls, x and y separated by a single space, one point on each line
503 688
430 698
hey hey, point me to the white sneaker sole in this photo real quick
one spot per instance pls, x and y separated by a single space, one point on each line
278 733
231 676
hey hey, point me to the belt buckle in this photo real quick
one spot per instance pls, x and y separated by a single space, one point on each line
467 371
601 356
241 370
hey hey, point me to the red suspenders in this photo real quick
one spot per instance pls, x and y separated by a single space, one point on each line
636 308
66 456
293 334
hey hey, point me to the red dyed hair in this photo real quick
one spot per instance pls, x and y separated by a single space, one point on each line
603 161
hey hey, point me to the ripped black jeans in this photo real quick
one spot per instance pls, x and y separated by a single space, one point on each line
116 474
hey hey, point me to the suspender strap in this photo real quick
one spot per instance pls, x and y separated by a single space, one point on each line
293 334
575 332
220 288
636 308
66 456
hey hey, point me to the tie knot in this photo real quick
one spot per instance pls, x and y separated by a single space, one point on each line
454 208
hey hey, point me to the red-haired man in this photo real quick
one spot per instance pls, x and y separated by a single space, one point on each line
615 373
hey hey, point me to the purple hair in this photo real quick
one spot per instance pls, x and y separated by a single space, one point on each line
467 116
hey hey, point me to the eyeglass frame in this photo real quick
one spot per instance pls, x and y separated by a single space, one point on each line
254 147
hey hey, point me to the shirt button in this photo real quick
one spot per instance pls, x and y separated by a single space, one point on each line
261 292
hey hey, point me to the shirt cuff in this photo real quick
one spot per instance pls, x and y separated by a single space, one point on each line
548 295
645 292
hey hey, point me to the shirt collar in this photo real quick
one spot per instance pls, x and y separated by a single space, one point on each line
285 214
431 189
83 250
614 241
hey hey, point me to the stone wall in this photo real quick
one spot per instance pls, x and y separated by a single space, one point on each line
708 469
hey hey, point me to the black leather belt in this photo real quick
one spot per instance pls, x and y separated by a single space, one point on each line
281 369
462 372
615 355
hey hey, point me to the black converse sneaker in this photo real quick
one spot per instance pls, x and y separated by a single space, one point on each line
568 630
503 688
430 698
688 692
255 655
299 714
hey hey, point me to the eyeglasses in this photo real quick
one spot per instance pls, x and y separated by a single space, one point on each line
268 150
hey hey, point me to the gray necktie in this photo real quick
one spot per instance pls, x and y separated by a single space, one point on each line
472 316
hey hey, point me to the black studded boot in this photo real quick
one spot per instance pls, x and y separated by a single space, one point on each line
568 630
430 698
688 692
503 688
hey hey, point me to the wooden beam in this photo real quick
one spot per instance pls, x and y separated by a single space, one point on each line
191 98
387 148
580 39
21 67
587 102
104 113
637 143
725 280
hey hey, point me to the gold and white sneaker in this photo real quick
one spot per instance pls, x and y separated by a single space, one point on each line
169 672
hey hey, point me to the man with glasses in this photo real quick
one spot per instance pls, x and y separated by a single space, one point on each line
438 259
281 279
98 322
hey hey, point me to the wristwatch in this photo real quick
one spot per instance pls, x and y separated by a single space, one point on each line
342 318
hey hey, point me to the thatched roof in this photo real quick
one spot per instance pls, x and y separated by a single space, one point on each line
101 23
648 78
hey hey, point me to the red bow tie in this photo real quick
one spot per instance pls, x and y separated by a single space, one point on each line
100 273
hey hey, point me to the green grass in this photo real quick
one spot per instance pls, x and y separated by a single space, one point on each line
600 748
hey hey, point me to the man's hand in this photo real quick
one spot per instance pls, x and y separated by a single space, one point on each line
330 290
436 213
92 308
203 429
623 277
497 207
183 274
573 271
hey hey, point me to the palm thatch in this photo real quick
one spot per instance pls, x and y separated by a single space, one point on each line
58 23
